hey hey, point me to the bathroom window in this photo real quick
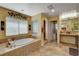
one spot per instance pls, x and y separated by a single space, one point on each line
34 28
11 26
23 26
16 26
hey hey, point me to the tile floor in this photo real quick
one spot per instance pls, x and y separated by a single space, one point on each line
52 49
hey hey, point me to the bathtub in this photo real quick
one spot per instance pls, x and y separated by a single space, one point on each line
21 47
22 42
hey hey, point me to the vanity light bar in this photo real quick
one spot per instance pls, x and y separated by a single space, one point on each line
16 15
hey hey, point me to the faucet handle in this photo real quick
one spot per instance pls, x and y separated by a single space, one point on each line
8 45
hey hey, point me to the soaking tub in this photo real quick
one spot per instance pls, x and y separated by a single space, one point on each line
21 47
22 42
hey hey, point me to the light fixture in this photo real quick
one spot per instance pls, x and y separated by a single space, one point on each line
22 10
51 8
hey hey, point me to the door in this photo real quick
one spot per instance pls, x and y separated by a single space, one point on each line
44 30
53 31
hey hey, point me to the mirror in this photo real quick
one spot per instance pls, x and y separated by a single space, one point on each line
71 24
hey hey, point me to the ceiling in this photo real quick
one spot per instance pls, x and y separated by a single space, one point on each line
35 8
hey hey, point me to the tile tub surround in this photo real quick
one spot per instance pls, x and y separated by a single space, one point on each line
21 50
4 39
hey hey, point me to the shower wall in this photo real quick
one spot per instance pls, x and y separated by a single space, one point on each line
52 31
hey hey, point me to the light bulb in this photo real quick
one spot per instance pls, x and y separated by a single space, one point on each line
53 10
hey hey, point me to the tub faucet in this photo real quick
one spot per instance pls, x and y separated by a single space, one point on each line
10 43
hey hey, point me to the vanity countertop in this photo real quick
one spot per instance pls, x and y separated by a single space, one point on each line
69 34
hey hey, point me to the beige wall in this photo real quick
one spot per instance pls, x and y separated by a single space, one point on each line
3 15
53 18
40 18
